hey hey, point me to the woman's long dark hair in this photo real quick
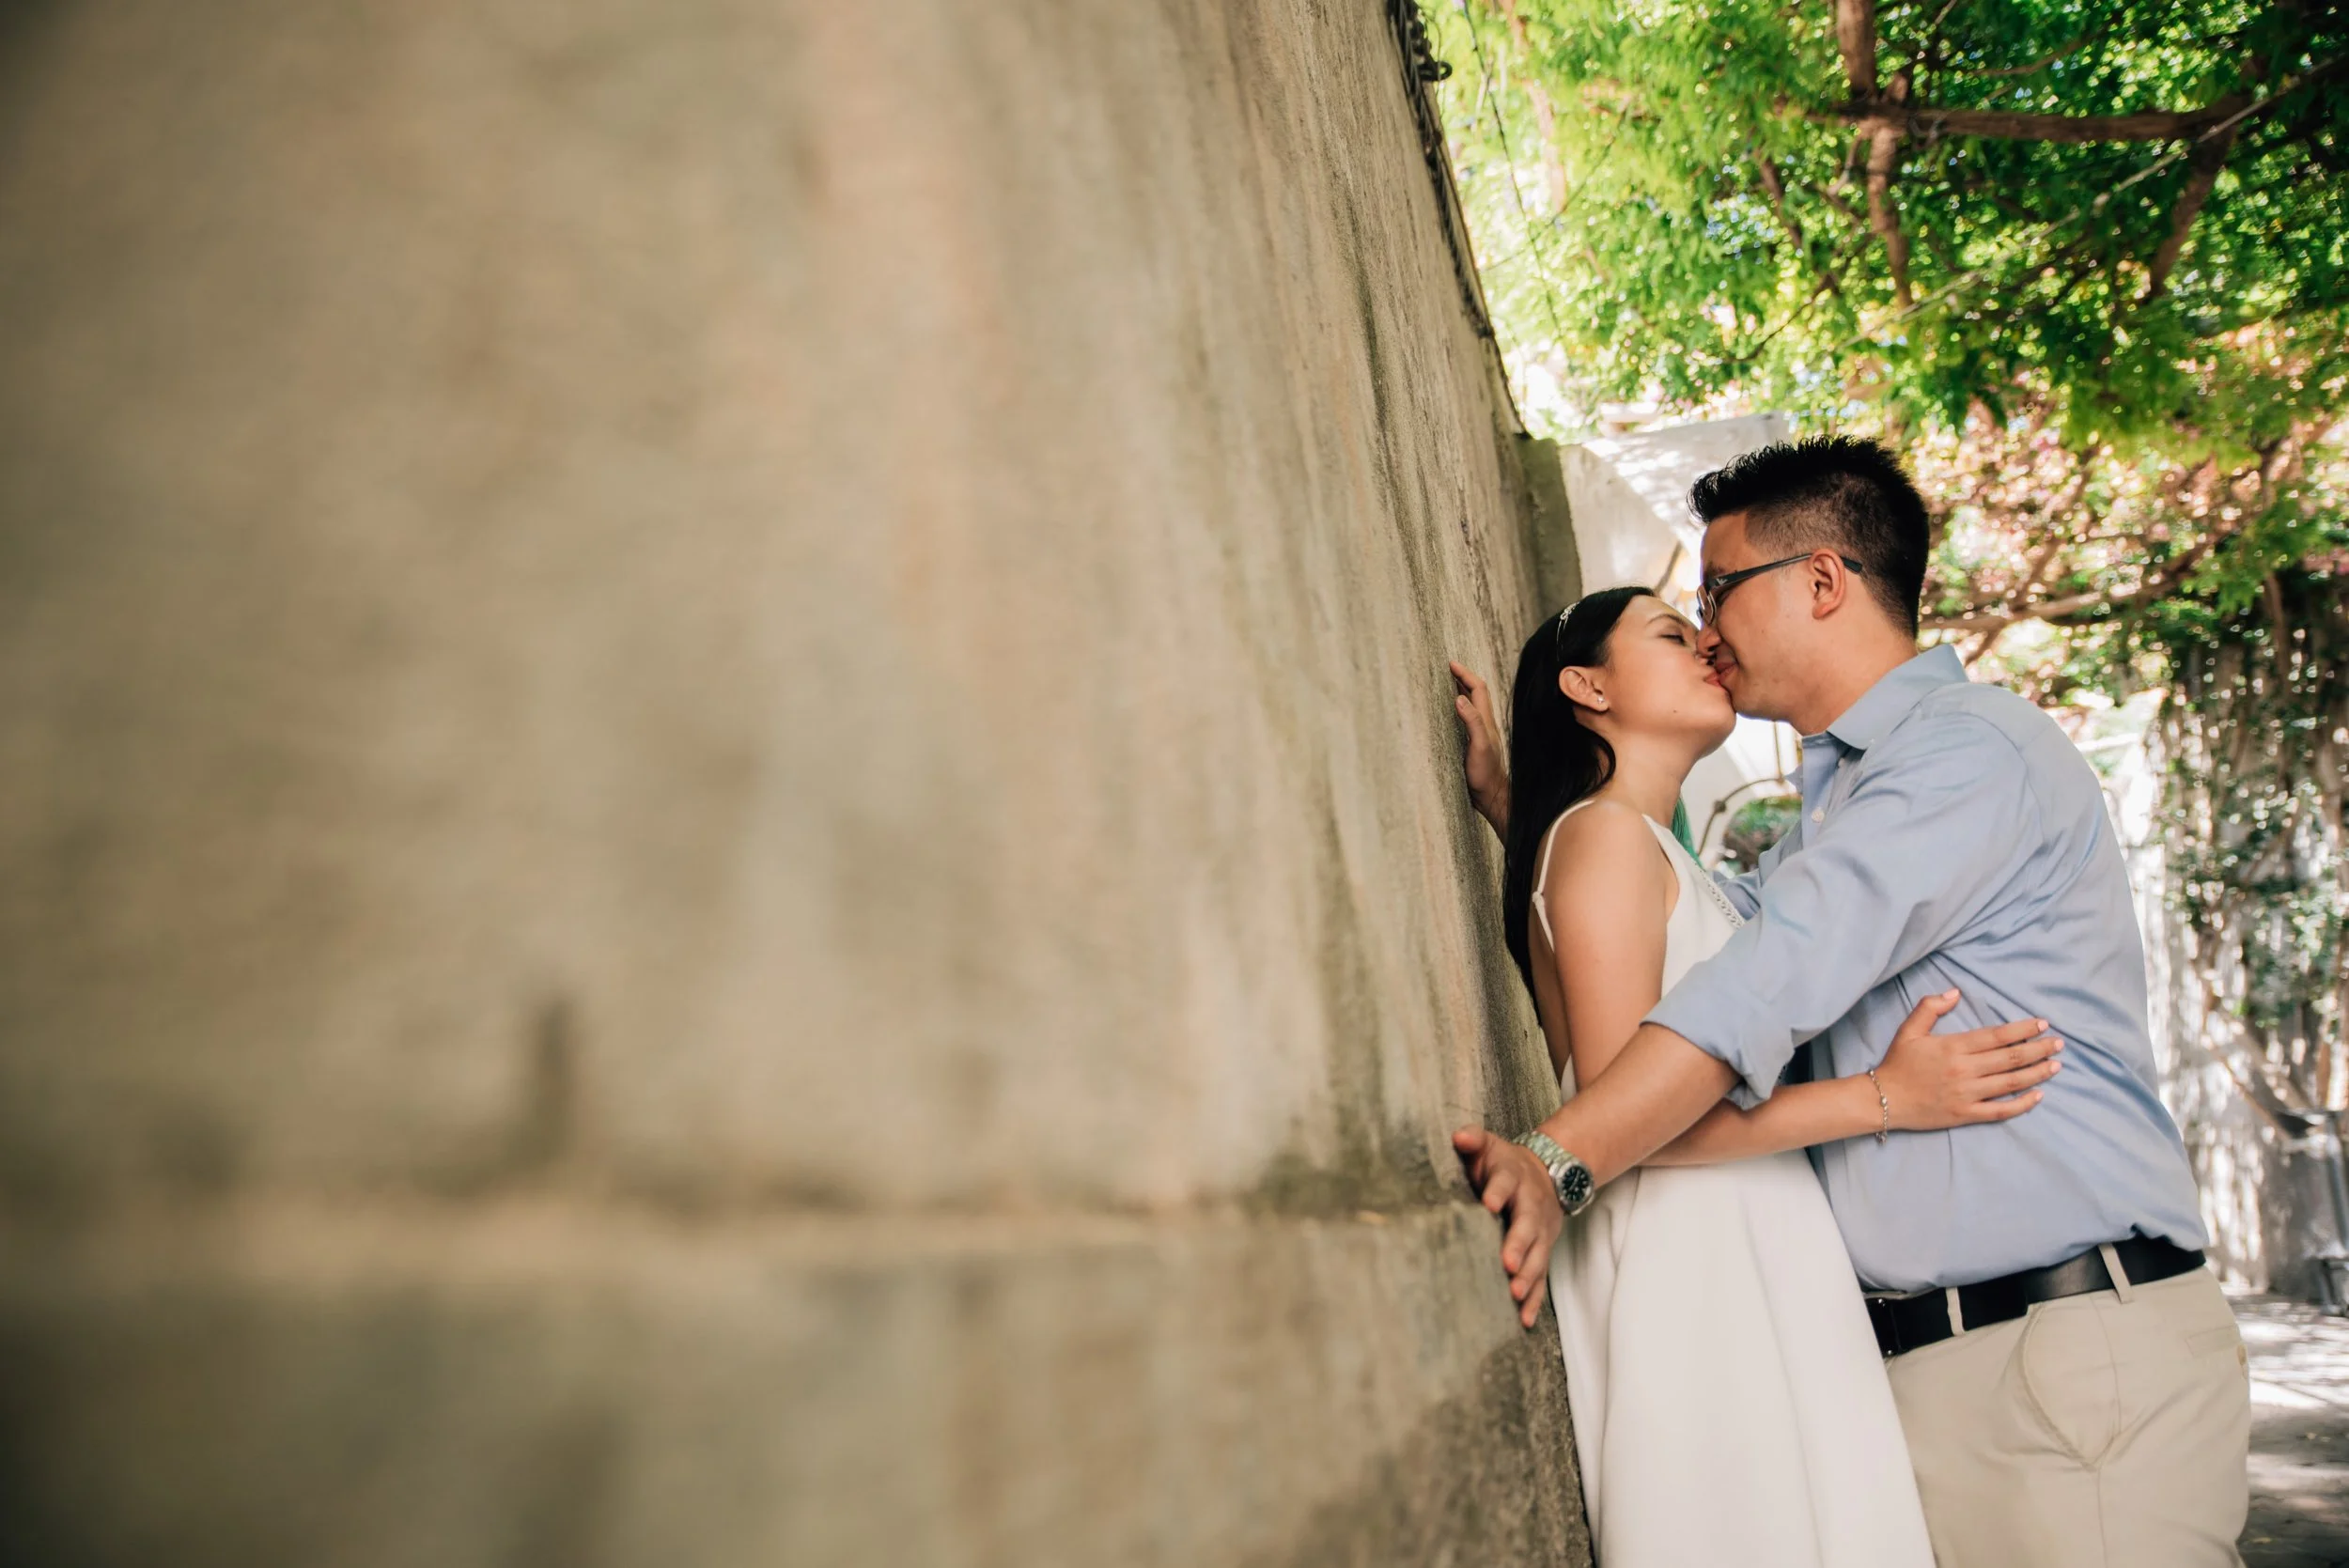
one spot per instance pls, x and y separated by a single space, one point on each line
1553 759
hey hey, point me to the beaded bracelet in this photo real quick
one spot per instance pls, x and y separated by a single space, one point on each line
1886 1130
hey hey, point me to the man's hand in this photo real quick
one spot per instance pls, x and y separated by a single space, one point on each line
1512 1182
1486 764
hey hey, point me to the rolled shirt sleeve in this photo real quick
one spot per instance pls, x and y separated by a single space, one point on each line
1929 836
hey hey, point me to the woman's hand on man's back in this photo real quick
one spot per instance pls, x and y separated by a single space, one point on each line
1936 1081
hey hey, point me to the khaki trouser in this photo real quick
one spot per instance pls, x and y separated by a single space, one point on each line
2111 1428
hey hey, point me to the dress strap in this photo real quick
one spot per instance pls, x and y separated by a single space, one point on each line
1541 873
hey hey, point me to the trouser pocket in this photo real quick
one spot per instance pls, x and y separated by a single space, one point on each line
2070 1383
2225 1339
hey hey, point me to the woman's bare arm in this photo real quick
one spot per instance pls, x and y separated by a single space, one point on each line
1609 900
1609 884
1607 897
1795 1117
1930 1082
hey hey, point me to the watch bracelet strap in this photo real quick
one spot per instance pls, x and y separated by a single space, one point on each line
1546 1148
1561 1166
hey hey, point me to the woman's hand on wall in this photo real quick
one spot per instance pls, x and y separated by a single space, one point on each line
1514 1185
1486 764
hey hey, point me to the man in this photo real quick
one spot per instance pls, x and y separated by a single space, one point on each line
2068 1374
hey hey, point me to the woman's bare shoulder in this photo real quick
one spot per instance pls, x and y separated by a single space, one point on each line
1602 824
1607 846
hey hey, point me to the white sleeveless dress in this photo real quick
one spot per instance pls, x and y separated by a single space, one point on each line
1729 1403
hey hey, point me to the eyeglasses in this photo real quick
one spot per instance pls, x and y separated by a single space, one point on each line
1714 589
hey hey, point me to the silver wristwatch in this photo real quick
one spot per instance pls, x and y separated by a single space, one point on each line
1572 1178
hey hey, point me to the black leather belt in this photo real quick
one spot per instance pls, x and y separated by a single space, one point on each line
1906 1323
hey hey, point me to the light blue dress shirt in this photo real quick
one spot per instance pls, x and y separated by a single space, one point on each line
1952 836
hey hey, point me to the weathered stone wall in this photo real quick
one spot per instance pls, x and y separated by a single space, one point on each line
730 811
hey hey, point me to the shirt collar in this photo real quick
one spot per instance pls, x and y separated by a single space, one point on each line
1888 702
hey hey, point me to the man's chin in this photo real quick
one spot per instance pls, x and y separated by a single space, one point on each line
1748 702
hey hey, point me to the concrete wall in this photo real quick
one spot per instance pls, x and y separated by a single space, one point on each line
731 823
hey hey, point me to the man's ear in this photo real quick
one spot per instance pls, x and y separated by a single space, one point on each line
1830 583
1580 690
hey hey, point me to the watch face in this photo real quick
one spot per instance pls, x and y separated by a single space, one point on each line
1574 1187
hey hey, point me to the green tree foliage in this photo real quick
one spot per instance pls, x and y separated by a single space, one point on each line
2089 261
2088 265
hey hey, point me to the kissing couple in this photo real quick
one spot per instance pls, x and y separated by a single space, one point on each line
1973 1327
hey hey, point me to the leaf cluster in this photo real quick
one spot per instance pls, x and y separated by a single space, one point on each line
2117 354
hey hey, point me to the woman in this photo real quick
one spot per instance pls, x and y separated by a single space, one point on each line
1729 1403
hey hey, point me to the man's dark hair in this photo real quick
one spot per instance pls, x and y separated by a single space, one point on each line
1830 492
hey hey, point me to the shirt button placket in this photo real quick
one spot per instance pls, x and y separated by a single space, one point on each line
1827 788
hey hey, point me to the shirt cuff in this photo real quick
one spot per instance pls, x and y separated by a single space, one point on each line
1697 1017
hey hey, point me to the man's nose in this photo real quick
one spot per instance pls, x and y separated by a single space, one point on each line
1707 641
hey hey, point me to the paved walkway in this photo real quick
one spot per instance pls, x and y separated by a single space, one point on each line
2299 1435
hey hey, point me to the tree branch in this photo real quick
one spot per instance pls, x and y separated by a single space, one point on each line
1774 186
2272 592
2040 562
1855 39
2202 178
1926 121
1883 150
1866 114
2073 609
2036 66
1545 113
1881 131
1881 217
